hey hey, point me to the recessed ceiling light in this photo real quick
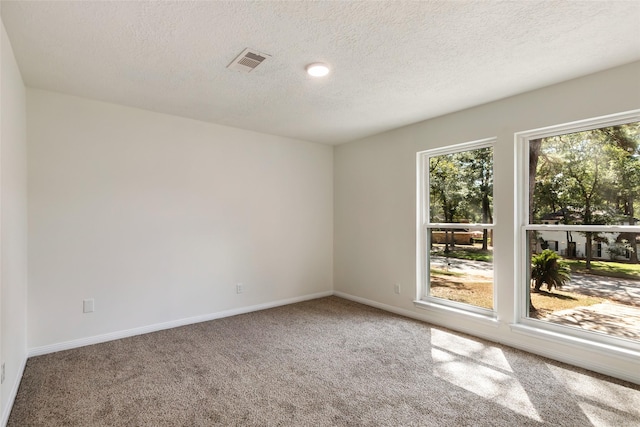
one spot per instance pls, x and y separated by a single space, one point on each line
317 69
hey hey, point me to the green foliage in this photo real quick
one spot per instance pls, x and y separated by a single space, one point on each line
549 268
587 178
590 177
622 270
446 191
619 249
461 189
477 255
461 186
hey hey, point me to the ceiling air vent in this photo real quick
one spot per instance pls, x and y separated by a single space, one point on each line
247 61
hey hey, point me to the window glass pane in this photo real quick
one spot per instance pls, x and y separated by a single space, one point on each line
461 266
590 282
460 260
586 178
461 187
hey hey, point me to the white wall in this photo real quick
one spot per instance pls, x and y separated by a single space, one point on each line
375 203
13 225
158 217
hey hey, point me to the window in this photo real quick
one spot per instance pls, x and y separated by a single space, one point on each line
456 227
579 207
550 244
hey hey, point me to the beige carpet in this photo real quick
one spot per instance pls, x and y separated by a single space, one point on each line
327 362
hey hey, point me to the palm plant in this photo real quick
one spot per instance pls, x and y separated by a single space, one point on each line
548 268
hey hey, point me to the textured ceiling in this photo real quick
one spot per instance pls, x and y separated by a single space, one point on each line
393 63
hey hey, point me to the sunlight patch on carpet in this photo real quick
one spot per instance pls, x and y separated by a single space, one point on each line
475 350
483 381
599 416
605 395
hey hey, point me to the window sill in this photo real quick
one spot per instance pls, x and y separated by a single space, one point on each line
576 342
487 319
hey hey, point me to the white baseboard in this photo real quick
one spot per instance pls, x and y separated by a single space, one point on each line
545 352
410 314
608 369
97 339
6 411
381 306
406 313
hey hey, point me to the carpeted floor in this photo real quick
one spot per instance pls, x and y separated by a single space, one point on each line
327 362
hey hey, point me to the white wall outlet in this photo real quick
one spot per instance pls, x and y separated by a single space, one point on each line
396 288
88 305
239 288
2 374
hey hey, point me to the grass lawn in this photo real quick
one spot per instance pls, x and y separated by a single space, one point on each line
478 292
548 302
452 288
435 271
473 253
606 268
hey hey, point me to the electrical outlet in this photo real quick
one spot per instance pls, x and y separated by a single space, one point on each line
396 288
239 288
2 374
88 305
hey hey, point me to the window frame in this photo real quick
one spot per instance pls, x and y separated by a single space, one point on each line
523 323
423 299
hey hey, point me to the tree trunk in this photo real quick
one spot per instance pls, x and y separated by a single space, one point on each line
446 241
537 284
633 240
485 218
535 146
633 256
588 249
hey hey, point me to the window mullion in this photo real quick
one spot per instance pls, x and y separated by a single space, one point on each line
583 228
458 225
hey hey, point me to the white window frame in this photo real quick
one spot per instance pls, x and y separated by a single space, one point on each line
536 327
423 299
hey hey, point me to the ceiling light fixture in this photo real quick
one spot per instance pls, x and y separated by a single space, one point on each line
317 69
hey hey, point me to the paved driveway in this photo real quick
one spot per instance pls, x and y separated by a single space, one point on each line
609 318
466 266
619 316
624 291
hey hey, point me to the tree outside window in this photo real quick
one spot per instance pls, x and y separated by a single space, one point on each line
583 204
458 225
